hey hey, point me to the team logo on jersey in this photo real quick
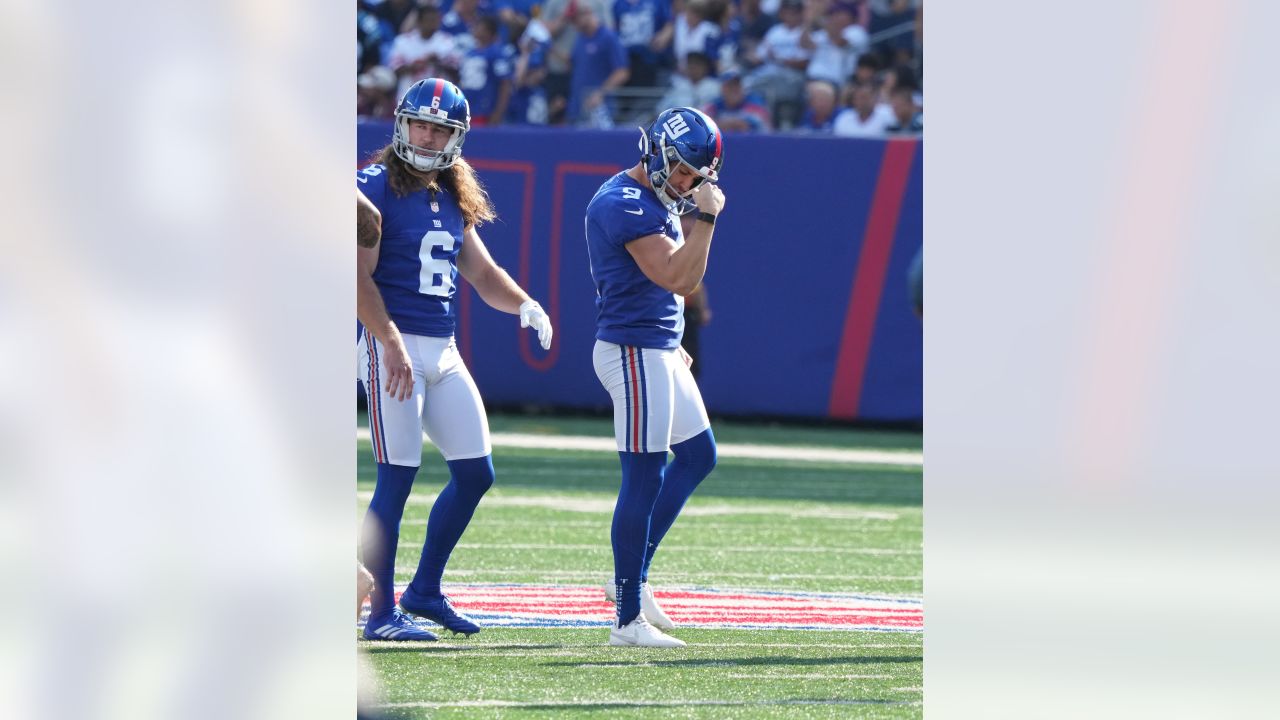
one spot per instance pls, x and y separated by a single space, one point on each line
436 223
675 127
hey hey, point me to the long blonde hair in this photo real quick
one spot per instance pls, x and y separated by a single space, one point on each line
459 179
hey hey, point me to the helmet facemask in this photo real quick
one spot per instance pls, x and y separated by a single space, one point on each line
425 159
675 201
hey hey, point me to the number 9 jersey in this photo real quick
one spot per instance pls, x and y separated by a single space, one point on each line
630 308
418 257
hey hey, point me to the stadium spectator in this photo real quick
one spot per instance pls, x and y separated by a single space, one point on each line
460 20
641 262
897 76
485 73
528 98
867 118
396 13
694 30
780 77
599 66
908 120
754 22
866 69
375 92
409 363
425 51
835 44
695 87
890 14
820 109
558 16
645 29
373 38
724 13
735 110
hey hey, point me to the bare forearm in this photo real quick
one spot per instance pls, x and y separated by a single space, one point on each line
371 310
499 291
368 222
688 264
617 79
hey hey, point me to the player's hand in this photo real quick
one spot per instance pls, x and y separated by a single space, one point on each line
399 369
708 198
685 356
532 315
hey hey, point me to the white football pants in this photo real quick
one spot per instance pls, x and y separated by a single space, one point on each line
445 403
656 402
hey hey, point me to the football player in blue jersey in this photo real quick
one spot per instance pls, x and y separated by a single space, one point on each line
643 265
431 203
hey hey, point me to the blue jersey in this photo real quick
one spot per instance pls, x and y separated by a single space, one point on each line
481 74
594 60
528 104
630 308
418 256
638 21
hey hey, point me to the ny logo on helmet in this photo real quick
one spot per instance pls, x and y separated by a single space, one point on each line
675 127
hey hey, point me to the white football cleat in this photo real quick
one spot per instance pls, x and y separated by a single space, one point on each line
648 606
639 633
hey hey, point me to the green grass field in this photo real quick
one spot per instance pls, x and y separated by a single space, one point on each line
754 524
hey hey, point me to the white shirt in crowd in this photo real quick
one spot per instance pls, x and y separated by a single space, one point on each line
781 43
410 47
831 62
848 124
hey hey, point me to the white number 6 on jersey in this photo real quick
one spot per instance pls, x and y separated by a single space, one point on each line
437 275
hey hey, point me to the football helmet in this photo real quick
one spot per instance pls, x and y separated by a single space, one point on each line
437 101
681 136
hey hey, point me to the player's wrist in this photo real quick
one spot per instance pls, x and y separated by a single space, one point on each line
706 217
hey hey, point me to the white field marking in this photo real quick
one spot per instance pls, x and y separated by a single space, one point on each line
694 548
631 702
710 603
851 456
605 505
805 676
602 575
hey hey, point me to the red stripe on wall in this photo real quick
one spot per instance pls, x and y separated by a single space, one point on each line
526 233
868 279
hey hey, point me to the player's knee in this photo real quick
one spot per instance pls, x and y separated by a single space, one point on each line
698 452
474 474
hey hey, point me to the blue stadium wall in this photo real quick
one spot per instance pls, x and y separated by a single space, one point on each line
807 281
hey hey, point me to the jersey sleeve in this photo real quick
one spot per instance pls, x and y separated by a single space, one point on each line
372 181
626 219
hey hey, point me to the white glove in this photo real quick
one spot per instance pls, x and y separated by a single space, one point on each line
532 315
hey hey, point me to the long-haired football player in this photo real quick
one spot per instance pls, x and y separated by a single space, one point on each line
643 265
431 204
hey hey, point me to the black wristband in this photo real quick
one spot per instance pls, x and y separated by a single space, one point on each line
705 217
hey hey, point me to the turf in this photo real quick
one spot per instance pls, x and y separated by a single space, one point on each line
765 525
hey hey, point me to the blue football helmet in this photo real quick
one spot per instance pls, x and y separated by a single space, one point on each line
435 101
681 136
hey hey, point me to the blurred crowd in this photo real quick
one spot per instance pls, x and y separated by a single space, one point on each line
842 67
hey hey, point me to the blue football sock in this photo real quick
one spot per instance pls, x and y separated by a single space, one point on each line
695 458
469 480
380 533
641 483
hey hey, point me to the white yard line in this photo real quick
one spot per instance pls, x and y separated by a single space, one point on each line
695 548
631 702
852 456
672 577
